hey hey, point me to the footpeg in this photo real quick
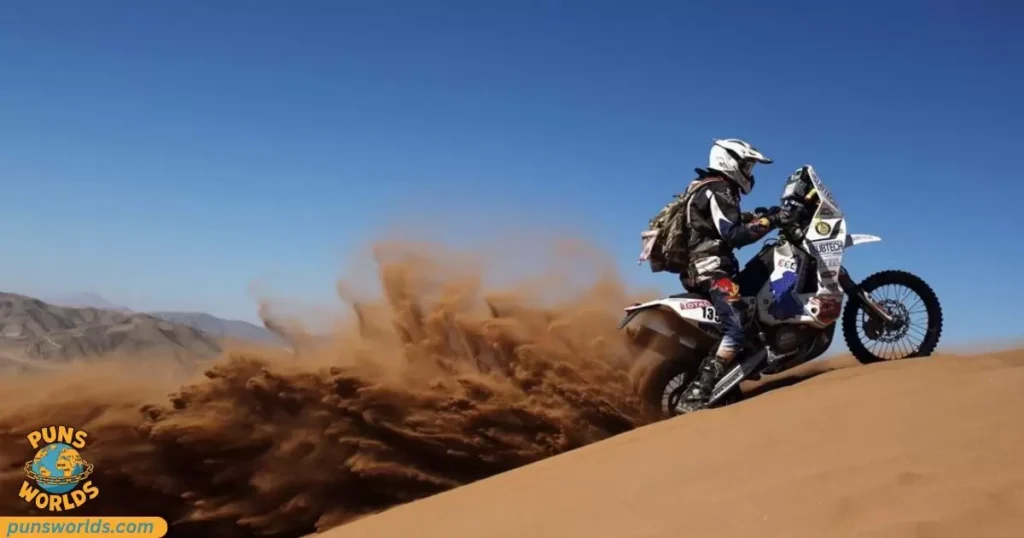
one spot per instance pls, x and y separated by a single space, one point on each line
773 362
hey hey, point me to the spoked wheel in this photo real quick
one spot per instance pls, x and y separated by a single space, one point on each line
660 384
673 393
916 319
661 388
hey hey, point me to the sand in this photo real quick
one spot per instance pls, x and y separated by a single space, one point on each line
450 405
437 382
923 447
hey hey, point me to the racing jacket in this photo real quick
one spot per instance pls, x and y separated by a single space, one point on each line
717 228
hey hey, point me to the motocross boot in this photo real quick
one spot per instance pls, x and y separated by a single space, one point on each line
699 391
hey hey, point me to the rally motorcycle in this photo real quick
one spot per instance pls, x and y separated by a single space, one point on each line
792 292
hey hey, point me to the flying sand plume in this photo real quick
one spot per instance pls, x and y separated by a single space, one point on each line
433 386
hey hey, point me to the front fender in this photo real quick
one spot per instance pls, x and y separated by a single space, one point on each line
859 239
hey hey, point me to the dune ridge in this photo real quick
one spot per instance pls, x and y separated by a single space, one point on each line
922 447
448 405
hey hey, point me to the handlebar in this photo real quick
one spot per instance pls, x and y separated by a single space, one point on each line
801 209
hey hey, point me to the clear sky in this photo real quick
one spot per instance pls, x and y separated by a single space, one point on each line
166 155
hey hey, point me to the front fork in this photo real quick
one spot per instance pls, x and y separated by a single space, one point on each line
854 291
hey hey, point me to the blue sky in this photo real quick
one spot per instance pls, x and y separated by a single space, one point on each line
166 155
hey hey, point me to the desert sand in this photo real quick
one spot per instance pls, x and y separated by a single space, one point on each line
923 447
448 406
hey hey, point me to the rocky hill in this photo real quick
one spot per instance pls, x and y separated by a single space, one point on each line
34 332
218 327
85 300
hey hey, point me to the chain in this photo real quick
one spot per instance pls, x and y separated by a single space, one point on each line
58 480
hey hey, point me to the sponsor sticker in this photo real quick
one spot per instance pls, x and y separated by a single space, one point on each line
828 308
827 247
832 262
786 263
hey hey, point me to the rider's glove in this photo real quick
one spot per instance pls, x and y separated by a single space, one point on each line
757 214
764 220
777 216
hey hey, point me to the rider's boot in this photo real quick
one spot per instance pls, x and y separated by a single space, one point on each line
698 393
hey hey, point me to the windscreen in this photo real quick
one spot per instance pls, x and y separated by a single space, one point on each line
829 208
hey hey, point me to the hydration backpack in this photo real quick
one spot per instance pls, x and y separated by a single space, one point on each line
666 240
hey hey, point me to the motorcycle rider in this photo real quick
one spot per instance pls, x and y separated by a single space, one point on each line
716 228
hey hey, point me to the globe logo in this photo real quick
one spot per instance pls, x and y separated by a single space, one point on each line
58 475
58 468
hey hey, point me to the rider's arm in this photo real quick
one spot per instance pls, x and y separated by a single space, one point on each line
732 228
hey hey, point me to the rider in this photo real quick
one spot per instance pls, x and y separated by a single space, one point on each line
716 228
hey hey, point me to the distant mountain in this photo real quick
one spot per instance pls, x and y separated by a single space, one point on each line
85 300
35 331
208 323
221 328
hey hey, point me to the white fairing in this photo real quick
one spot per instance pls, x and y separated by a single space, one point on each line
826 240
777 302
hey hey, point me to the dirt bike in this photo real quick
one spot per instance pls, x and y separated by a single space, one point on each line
792 293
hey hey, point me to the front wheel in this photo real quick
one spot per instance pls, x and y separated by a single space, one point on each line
917 322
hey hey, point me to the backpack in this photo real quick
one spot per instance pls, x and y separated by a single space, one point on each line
666 240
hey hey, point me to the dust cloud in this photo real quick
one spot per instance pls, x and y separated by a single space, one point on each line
436 379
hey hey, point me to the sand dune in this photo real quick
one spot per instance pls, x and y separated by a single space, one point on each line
452 408
437 383
925 447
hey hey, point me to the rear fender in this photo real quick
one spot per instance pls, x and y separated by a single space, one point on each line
663 338
672 322
693 310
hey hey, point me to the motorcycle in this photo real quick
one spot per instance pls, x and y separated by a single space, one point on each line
792 291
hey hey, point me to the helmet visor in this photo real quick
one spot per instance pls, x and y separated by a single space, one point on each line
747 169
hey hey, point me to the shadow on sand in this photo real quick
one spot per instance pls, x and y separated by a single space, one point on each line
796 375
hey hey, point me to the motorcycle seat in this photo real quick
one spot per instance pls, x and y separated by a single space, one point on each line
689 296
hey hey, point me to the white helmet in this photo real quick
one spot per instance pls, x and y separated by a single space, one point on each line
735 159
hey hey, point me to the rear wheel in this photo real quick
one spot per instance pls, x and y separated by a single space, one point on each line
917 315
659 383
